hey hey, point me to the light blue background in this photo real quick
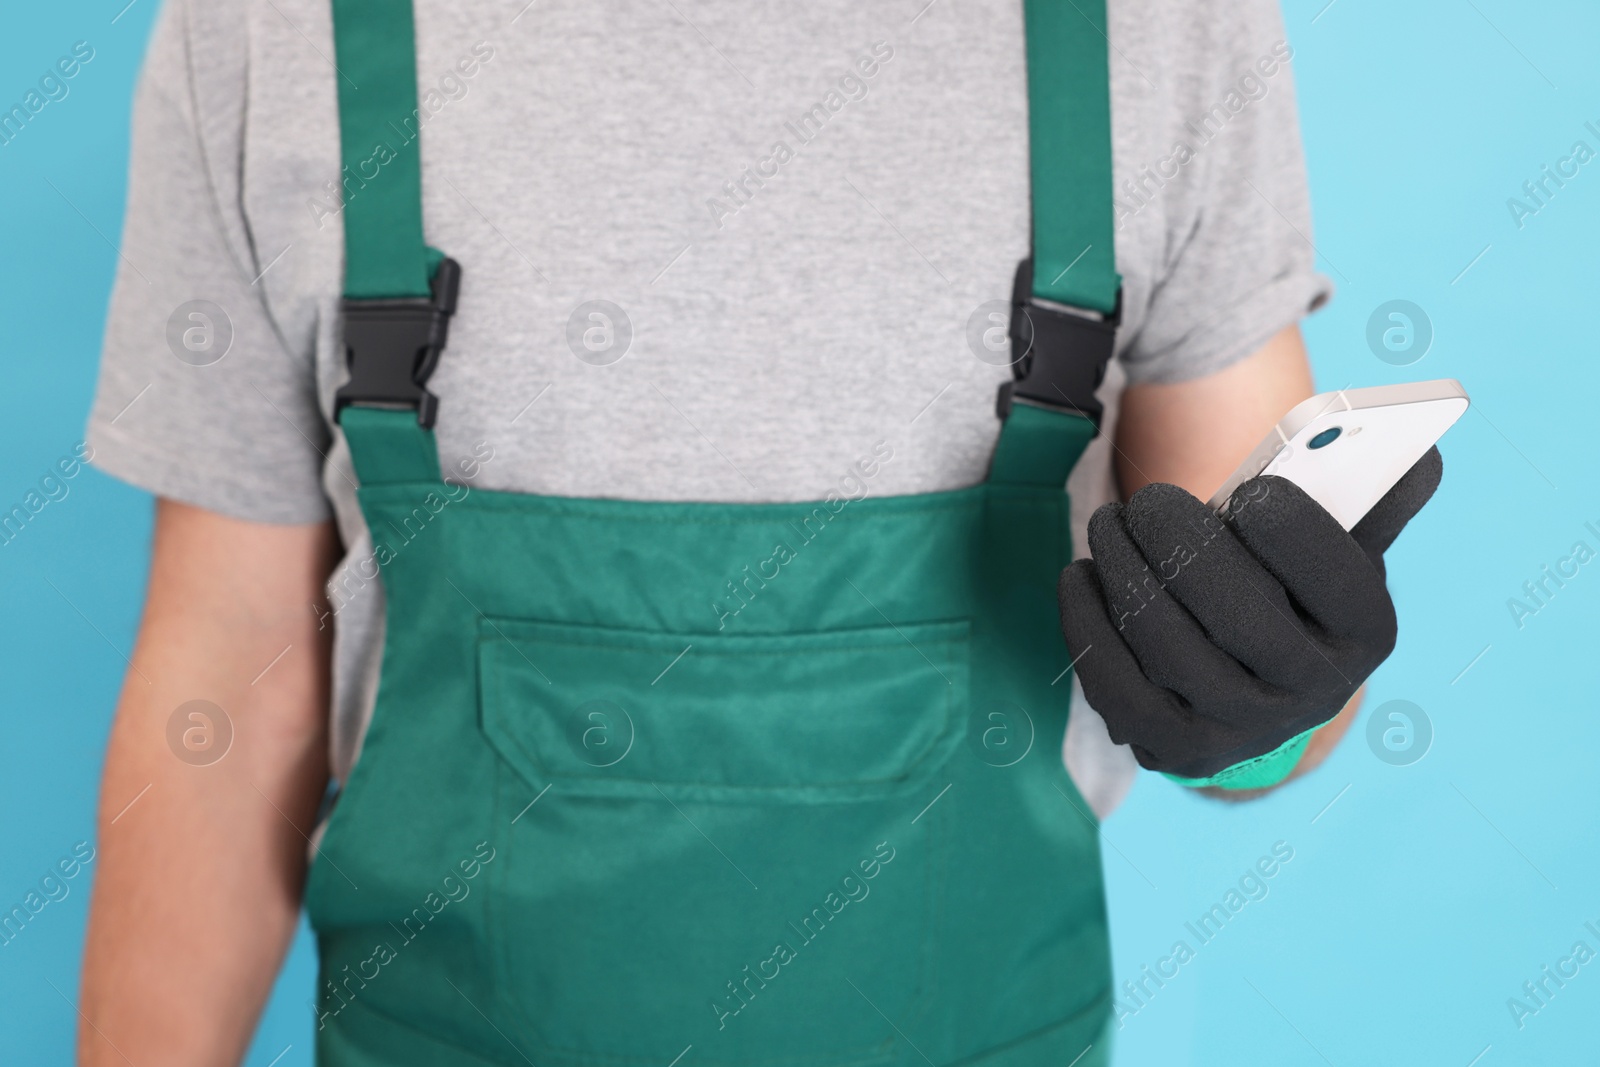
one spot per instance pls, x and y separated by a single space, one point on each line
1419 897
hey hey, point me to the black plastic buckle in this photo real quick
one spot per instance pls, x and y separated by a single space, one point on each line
392 346
1063 353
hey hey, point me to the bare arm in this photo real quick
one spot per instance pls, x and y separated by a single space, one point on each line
1193 434
200 866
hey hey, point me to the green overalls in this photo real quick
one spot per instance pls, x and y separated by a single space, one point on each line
600 820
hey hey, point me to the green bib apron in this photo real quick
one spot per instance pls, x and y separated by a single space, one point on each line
719 785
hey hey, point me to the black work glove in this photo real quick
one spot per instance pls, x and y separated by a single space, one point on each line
1204 641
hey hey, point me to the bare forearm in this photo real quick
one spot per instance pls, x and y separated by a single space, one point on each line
1193 434
201 858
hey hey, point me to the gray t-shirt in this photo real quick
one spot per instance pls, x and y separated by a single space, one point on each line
770 314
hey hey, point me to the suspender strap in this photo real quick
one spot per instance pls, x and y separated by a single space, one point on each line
385 255
1039 446
399 294
1067 296
1069 139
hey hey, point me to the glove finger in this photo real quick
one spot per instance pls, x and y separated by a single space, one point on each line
1241 607
1330 579
1136 711
1170 645
1379 527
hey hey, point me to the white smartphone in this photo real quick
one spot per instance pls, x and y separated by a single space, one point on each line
1346 449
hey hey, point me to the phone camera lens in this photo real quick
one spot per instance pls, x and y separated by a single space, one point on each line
1325 438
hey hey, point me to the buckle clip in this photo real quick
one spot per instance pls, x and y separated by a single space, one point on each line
393 346
1064 352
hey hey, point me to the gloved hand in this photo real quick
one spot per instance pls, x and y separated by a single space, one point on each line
1209 643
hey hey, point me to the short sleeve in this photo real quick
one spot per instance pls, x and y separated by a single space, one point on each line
200 397
1239 264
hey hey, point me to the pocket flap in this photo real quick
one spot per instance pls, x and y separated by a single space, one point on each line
812 716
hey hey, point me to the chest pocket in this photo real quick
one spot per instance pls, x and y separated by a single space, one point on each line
714 837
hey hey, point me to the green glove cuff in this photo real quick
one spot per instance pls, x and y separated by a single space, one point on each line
1258 772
